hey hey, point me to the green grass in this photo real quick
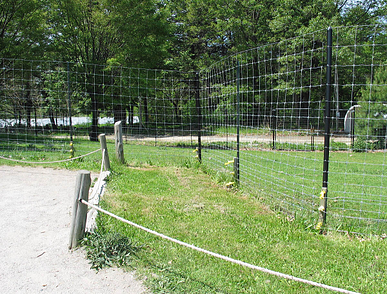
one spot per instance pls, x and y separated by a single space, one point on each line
286 180
167 190
291 181
187 204
45 150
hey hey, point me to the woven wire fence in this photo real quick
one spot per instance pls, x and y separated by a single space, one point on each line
47 105
265 106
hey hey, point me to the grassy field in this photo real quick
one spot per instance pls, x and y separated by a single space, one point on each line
189 205
44 150
286 180
167 190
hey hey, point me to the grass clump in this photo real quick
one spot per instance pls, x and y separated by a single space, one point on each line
106 249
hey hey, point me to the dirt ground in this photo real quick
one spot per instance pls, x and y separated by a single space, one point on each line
280 138
35 216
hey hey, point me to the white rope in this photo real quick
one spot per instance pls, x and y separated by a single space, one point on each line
48 162
278 274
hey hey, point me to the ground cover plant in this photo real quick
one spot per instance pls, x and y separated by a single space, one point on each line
188 204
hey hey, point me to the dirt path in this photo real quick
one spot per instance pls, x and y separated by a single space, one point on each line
35 208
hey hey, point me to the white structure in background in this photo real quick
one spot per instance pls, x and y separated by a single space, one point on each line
64 121
349 121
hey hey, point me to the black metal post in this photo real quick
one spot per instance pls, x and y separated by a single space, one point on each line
312 134
199 117
69 99
274 127
237 176
353 116
327 119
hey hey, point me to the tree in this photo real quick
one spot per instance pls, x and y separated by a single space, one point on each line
23 28
371 116
83 32
144 31
361 12
108 34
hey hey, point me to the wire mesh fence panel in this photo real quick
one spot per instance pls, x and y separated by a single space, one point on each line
357 185
46 105
265 107
281 87
34 106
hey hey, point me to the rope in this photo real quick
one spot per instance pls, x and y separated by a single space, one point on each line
271 272
48 162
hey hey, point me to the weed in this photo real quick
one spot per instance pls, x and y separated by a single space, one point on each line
108 249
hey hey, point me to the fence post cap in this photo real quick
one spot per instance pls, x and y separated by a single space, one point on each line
83 172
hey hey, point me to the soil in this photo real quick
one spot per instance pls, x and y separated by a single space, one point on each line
35 216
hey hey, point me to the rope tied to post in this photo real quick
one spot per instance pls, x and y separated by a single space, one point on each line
50 162
226 258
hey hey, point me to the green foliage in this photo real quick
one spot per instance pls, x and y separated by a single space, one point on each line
180 34
361 144
145 38
24 31
295 16
338 146
371 116
106 249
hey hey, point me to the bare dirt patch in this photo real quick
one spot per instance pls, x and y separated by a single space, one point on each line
35 219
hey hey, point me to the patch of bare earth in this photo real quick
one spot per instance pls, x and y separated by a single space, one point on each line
35 218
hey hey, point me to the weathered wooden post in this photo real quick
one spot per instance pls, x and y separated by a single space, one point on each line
105 154
78 222
118 141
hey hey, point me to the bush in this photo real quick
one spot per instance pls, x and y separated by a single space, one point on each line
338 146
362 145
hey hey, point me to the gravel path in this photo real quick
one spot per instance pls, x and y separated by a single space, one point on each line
35 208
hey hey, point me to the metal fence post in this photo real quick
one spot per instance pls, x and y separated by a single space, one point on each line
79 215
199 118
236 170
327 119
237 175
274 127
69 101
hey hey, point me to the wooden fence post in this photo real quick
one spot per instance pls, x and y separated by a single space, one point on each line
118 141
78 222
106 162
